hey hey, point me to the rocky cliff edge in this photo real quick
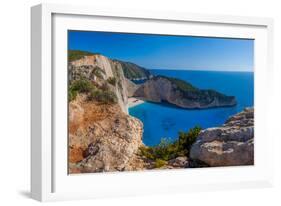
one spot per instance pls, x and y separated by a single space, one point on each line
229 145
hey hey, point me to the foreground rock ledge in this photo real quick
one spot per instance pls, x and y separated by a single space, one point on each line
102 138
232 144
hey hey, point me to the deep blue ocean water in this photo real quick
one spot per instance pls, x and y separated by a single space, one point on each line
164 121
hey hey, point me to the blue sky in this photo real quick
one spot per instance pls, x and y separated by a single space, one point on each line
168 52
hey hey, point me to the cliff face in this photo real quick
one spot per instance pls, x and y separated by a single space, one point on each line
102 138
133 71
182 94
99 69
131 87
229 145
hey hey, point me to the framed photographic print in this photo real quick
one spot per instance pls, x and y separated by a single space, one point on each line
135 102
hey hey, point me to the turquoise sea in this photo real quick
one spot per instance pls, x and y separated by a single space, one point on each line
165 121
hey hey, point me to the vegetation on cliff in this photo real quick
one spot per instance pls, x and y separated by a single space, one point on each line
78 54
130 70
167 150
181 85
79 86
181 93
100 94
102 114
189 91
133 71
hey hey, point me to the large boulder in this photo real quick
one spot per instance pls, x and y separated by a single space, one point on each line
231 144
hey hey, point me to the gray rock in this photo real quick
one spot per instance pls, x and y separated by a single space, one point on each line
113 151
229 145
180 162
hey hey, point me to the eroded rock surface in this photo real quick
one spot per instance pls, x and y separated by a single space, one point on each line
229 145
102 138
98 69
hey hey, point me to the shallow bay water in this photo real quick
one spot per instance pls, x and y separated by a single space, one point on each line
165 121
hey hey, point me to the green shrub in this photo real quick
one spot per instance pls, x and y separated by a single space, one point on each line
102 94
182 85
77 54
79 86
146 152
160 163
106 97
186 140
132 71
71 95
112 80
167 150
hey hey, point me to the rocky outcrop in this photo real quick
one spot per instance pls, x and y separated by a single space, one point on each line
179 162
181 94
99 69
229 145
102 138
131 87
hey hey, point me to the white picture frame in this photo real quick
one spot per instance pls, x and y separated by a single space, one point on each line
49 178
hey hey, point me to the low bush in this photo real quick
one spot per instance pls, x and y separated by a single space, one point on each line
160 163
167 150
186 139
77 54
106 97
72 95
79 86
102 94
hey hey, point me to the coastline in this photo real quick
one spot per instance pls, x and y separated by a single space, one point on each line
132 102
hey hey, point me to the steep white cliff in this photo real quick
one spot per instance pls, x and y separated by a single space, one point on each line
98 69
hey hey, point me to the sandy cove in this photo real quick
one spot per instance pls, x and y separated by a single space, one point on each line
132 102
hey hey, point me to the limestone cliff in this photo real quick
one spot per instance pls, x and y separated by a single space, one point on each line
102 138
181 93
229 145
98 69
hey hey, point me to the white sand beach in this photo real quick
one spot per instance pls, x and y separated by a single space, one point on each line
132 102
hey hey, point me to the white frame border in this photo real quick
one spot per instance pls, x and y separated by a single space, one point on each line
42 85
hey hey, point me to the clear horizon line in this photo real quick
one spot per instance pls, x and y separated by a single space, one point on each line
204 70
164 68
